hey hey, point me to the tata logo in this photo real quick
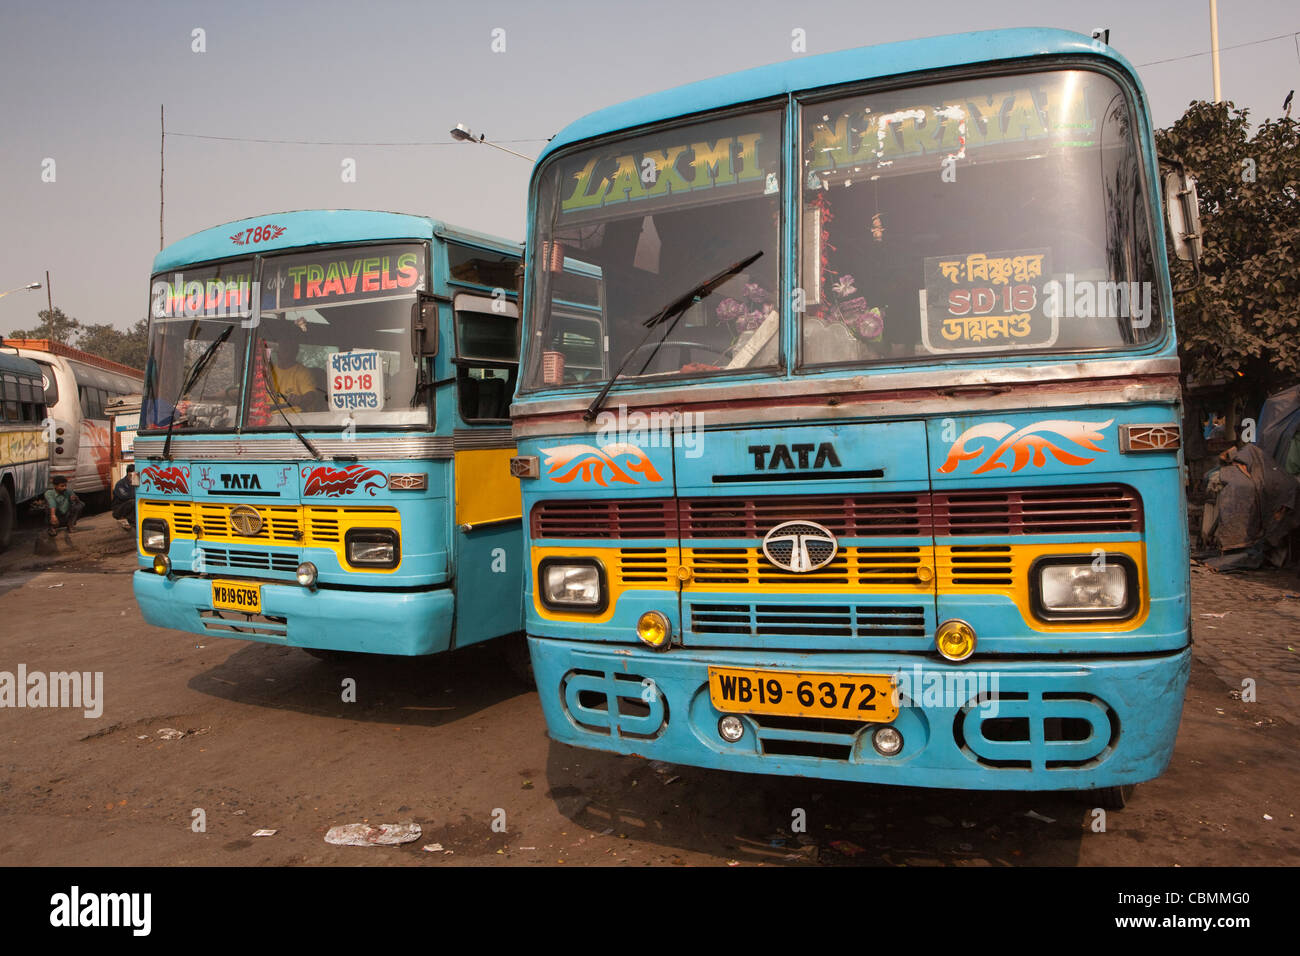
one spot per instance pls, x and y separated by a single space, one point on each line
245 520
781 456
800 546
240 482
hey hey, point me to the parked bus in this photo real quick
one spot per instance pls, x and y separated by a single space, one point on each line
24 455
324 440
871 470
78 387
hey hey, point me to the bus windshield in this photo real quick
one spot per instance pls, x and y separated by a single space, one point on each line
333 342
190 310
331 345
655 216
994 215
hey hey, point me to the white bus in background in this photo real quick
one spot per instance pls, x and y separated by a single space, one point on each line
78 388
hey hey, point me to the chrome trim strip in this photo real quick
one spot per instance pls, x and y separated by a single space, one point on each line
692 391
290 449
858 407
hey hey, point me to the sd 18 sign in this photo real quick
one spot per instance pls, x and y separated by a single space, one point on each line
356 381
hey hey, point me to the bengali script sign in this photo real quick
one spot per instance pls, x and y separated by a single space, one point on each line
986 300
356 381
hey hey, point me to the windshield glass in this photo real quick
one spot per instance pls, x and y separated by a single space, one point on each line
1000 214
189 311
626 229
333 344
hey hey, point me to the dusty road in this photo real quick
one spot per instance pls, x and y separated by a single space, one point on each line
455 743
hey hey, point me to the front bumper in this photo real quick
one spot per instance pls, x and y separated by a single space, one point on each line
406 624
1046 724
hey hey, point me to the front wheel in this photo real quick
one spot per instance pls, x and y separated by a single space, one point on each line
514 651
6 517
1114 798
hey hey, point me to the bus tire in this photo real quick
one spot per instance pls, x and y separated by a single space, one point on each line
514 651
329 656
1114 798
6 517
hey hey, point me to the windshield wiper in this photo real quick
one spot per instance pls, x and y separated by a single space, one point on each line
282 402
192 380
674 310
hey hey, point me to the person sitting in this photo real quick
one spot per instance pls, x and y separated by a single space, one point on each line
64 505
124 499
296 382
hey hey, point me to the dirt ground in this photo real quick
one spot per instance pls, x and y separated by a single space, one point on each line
257 737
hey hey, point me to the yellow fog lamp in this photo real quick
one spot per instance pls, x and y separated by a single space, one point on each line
654 630
162 564
955 640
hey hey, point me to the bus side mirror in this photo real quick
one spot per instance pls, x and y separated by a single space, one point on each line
424 325
1183 210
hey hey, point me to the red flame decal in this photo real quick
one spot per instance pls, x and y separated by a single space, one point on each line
173 479
333 482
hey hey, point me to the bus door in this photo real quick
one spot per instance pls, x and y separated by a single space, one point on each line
488 537
813 537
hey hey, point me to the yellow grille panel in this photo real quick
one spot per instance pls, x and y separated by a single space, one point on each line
308 526
896 570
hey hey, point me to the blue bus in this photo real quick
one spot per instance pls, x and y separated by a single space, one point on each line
324 438
867 465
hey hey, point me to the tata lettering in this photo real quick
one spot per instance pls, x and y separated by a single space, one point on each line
781 457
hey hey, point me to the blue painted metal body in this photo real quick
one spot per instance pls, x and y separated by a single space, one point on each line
601 689
446 591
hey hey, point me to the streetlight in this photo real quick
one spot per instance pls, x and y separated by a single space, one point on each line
29 287
463 133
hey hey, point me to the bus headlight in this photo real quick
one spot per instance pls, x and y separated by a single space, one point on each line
1084 587
955 640
654 630
373 547
154 535
572 584
162 565
307 574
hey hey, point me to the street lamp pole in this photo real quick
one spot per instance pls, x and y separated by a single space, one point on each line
29 287
463 133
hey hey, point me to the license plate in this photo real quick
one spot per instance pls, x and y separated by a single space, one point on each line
233 596
858 697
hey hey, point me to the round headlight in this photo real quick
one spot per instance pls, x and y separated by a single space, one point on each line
307 574
162 564
654 630
955 640
887 741
731 729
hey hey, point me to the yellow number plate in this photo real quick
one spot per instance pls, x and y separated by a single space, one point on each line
858 697
234 596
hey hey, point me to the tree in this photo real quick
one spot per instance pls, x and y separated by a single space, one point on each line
54 324
1242 322
129 348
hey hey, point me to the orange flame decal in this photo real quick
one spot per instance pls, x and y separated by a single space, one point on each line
590 463
1027 444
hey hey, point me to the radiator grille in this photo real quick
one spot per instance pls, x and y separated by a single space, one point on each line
808 620
1083 509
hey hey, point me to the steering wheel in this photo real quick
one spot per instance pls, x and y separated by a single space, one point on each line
668 343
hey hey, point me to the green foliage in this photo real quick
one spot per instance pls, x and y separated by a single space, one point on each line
1242 323
56 325
130 347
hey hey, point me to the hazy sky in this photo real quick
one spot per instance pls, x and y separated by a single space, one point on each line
81 83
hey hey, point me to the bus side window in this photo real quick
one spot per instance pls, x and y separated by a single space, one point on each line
487 357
